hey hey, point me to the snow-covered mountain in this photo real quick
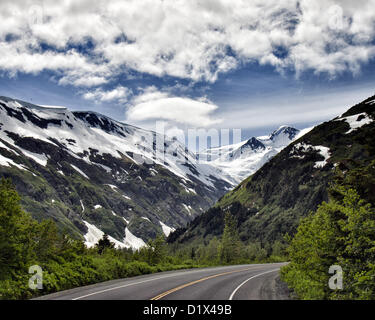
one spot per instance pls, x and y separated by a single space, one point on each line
93 174
240 160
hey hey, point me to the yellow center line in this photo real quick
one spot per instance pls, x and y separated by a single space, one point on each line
162 295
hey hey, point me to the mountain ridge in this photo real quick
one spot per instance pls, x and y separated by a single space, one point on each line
93 174
243 159
269 203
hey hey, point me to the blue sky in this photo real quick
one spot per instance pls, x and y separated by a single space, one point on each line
212 64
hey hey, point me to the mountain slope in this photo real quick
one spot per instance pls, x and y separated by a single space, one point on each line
92 174
270 203
240 160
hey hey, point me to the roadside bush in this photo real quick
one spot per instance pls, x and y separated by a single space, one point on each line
341 232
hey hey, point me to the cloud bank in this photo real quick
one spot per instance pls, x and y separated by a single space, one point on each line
88 44
153 105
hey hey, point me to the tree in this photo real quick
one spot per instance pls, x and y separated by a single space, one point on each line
156 250
230 246
212 249
104 244
341 232
16 229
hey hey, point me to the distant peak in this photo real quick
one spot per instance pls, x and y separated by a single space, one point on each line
253 143
285 130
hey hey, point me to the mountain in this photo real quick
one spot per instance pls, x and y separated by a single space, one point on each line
270 203
92 174
240 160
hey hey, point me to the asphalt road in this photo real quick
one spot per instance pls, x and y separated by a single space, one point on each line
240 282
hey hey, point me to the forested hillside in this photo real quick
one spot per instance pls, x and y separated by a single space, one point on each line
270 203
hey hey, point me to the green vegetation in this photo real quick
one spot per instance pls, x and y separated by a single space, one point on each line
230 246
67 263
227 249
341 232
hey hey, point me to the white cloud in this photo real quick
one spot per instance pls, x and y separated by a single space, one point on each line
119 93
155 105
186 39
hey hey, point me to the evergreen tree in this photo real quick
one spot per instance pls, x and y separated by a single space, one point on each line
341 232
212 250
156 250
230 246
104 244
16 229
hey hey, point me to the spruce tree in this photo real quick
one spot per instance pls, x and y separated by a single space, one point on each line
104 243
230 246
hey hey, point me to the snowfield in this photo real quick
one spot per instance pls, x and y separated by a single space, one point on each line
94 234
78 136
131 241
241 160
167 230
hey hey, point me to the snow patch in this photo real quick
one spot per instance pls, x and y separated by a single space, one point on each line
167 230
192 190
303 147
153 172
94 234
324 151
132 241
113 187
2 145
42 159
80 171
6 162
127 221
355 123
52 107
303 132
371 102
107 169
82 206
188 208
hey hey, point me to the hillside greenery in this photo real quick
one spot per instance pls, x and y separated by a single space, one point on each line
68 263
341 232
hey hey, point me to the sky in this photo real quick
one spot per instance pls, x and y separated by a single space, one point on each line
249 65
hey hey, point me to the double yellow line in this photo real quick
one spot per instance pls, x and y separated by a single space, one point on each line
162 295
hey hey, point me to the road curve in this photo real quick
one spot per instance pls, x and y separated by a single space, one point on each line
240 282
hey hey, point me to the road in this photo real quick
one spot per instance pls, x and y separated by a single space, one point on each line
240 282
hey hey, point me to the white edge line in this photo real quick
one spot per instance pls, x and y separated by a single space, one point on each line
153 279
258 275
123 286
135 283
